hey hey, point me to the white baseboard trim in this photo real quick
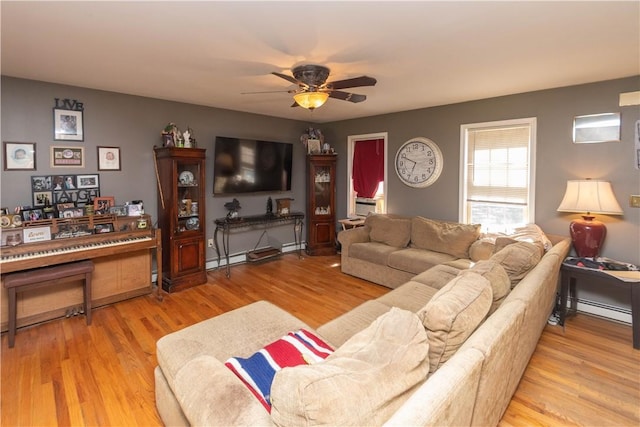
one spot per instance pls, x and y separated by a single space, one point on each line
604 310
241 257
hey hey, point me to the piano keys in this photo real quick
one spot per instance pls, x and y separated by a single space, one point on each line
122 260
43 254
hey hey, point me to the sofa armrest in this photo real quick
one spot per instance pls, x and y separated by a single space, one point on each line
210 394
448 396
351 236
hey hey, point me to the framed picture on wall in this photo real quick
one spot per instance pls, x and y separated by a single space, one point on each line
19 156
67 125
87 181
67 157
108 158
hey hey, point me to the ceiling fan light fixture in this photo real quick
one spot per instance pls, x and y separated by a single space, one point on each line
311 100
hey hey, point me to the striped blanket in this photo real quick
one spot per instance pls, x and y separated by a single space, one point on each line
257 371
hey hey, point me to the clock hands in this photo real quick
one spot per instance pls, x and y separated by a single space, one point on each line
414 164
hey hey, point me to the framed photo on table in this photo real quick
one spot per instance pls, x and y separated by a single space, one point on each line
108 158
19 156
101 205
68 125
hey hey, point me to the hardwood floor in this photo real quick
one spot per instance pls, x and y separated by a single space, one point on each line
65 373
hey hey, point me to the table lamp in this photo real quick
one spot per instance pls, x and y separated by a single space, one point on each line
590 196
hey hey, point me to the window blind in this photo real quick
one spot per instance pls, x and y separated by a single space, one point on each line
498 165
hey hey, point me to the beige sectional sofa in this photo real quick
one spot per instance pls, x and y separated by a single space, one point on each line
390 249
446 347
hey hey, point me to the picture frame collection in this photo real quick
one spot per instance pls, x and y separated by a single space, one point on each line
68 126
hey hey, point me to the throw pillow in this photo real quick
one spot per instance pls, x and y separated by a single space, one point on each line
532 233
497 277
501 243
446 237
452 315
394 232
362 383
517 259
481 250
257 371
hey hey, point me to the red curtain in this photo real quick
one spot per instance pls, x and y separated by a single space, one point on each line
368 166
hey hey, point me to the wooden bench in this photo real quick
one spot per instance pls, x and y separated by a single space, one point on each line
45 276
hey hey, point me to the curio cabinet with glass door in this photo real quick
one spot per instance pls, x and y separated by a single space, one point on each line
321 204
181 216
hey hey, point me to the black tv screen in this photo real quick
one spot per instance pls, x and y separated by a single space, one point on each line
251 166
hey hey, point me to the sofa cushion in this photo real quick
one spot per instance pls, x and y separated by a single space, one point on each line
210 394
416 261
437 276
377 253
394 232
480 250
502 242
337 331
257 371
410 296
362 383
242 331
497 277
452 315
517 259
446 237
532 233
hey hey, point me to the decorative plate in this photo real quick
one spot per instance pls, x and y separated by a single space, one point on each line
6 221
193 224
186 178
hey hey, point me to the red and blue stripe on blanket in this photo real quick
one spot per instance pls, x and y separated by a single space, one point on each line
258 370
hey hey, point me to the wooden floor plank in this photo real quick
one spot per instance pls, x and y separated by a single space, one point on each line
65 373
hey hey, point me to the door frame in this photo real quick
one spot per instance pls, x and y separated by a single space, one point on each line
351 142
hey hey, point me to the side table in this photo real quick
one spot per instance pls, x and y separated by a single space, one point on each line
571 275
351 223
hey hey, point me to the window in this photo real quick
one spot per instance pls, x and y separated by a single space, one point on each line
497 174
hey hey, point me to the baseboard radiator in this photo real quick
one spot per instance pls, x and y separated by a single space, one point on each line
599 309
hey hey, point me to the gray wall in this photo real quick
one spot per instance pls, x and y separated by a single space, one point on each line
558 159
134 124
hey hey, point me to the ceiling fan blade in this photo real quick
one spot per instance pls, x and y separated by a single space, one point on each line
269 91
354 82
346 96
287 78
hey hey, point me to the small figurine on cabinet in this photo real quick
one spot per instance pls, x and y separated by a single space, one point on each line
171 136
189 139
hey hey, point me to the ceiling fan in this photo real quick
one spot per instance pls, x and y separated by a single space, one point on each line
314 90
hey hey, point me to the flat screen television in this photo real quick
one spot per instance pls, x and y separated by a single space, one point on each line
251 166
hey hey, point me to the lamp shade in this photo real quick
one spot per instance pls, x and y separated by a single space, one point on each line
590 196
311 100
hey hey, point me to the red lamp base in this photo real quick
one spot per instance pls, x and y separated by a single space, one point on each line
587 235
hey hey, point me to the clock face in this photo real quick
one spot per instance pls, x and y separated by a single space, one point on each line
419 162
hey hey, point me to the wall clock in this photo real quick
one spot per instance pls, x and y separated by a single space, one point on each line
419 162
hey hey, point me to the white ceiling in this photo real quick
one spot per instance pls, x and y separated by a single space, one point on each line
422 53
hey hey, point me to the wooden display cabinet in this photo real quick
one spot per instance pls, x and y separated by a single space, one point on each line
321 204
181 216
